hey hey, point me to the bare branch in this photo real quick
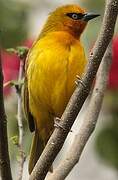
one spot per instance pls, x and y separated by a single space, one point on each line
89 121
21 52
4 154
20 123
59 135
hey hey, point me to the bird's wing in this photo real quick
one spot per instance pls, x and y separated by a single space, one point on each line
25 95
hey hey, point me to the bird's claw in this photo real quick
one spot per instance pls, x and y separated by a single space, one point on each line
57 124
79 81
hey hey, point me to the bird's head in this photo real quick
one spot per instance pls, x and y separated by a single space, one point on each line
70 18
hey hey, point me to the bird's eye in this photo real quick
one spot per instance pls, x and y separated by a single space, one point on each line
75 16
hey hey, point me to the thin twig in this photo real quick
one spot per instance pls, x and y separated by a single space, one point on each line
20 123
22 53
59 135
4 153
89 121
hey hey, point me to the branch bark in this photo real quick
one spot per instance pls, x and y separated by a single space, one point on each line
89 120
4 154
59 135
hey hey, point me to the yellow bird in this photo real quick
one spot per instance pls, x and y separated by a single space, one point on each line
52 64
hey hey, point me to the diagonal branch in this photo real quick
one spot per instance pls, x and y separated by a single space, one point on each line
59 135
4 154
89 121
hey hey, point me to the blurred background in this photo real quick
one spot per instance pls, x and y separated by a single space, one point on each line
20 23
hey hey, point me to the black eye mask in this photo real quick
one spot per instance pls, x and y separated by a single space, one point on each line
75 16
85 16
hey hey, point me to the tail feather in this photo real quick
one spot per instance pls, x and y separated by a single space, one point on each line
36 150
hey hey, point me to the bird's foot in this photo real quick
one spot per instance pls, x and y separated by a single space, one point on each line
79 81
57 123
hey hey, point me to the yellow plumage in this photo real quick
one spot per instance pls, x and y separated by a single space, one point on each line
52 65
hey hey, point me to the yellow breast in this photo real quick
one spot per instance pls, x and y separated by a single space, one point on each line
53 63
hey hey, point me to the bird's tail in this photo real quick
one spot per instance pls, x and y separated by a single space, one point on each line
36 150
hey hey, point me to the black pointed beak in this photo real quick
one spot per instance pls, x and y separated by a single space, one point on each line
89 16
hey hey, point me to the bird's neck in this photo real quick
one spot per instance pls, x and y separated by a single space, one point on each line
62 37
60 27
